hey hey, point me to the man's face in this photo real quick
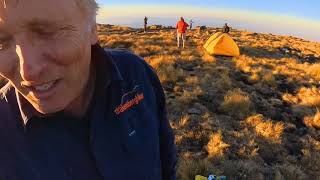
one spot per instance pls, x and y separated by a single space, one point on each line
45 50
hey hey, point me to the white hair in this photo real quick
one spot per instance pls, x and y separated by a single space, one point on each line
89 7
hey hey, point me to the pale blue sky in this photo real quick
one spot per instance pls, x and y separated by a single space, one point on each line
290 17
299 8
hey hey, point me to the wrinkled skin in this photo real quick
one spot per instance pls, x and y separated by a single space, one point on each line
44 41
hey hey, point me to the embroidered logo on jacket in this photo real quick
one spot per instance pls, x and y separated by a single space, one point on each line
125 105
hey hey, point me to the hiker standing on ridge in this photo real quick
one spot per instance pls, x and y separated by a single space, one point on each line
225 28
72 110
145 23
181 32
191 23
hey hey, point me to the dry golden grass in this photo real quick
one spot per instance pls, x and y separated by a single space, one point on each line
192 81
314 71
270 130
268 78
156 61
307 97
190 95
267 129
216 146
254 120
244 63
257 101
236 103
313 121
168 72
184 121
254 78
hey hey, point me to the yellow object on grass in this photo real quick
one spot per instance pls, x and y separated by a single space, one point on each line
198 177
221 44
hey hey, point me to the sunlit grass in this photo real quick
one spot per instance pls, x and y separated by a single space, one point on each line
222 109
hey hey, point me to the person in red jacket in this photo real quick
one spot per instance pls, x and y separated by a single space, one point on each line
181 31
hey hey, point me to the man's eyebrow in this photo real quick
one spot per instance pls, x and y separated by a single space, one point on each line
39 23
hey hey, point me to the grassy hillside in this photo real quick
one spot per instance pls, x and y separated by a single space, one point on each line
251 117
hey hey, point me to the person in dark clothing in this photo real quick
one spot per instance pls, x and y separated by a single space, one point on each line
226 28
145 24
191 23
72 109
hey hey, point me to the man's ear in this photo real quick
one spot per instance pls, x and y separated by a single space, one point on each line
93 34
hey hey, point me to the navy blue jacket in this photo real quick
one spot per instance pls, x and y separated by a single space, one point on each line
129 135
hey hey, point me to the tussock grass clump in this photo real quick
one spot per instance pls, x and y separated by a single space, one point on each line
189 96
168 73
155 61
254 78
216 147
236 103
243 63
290 98
313 121
270 130
183 122
310 96
265 128
268 78
304 101
314 71
254 120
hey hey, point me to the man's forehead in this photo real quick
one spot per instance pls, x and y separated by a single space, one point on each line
37 12
6 3
13 3
43 6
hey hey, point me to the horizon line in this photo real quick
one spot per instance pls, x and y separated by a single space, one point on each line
240 19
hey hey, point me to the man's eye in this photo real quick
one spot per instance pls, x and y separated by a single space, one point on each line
46 34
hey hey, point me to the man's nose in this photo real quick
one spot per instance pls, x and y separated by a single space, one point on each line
31 65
